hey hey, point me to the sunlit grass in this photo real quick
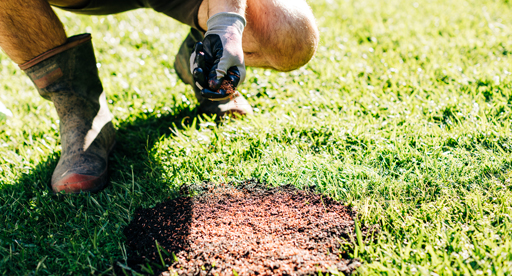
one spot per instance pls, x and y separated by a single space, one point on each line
405 113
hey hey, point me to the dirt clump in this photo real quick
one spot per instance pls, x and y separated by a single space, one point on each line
247 229
227 84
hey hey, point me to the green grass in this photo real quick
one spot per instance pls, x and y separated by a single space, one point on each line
405 112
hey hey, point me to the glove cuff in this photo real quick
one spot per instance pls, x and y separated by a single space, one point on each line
220 21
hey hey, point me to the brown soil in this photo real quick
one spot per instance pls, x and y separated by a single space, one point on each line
227 85
250 229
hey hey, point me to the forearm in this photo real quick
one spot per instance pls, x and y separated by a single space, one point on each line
236 6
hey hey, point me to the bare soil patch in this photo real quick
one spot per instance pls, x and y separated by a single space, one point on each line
248 228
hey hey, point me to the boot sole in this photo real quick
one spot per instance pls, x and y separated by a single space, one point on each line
77 183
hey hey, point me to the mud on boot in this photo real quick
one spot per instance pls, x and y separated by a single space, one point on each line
235 105
68 76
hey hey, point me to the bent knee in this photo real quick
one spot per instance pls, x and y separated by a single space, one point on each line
287 34
295 51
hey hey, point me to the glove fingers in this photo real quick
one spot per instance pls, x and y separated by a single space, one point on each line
233 75
213 82
197 49
199 59
222 70
200 78
199 66
207 93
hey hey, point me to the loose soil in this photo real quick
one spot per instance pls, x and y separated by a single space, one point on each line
248 228
227 84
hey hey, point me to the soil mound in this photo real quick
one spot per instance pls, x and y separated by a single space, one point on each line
246 230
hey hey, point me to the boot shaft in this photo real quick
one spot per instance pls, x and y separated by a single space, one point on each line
55 72
68 76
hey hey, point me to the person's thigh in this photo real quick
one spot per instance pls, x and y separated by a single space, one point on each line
184 11
97 7
280 34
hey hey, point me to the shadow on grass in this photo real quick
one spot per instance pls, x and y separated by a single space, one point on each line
78 233
130 156
131 160
136 139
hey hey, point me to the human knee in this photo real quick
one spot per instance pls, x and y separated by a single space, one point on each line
288 35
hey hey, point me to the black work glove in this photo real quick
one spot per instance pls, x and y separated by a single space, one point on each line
217 63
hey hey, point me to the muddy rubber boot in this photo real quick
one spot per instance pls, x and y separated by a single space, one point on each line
235 105
67 76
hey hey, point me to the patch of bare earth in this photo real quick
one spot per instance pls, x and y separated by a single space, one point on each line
249 229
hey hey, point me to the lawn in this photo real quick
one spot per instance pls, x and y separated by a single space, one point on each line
405 113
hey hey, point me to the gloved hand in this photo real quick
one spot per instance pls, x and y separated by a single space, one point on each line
217 63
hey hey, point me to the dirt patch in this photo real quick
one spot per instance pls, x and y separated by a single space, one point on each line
250 229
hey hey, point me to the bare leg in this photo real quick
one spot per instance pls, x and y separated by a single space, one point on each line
63 71
280 34
29 28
